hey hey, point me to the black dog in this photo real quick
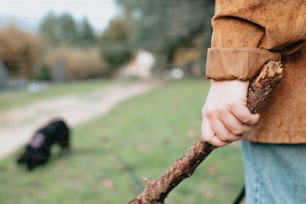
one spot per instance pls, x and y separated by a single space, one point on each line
38 151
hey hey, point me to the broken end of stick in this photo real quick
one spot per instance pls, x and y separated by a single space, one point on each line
262 86
271 70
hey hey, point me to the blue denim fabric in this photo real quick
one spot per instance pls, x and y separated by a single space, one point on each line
274 173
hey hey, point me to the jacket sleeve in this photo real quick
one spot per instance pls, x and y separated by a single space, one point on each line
248 33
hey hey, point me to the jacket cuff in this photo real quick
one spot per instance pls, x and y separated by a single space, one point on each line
237 63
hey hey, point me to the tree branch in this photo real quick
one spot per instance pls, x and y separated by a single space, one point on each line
157 190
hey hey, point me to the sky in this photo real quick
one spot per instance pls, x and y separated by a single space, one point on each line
29 13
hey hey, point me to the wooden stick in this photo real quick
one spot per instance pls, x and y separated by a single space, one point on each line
157 190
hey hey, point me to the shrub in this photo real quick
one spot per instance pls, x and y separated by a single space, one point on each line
77 63
43 73
20 51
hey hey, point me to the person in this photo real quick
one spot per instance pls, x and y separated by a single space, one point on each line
246 35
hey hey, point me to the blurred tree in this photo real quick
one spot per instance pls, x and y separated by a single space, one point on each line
114 42
86 34
78 40
49 28
20 52
64 30
67 29
163 26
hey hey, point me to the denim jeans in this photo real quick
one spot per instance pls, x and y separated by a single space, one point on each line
274 173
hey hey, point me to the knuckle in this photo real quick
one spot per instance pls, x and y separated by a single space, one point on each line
225 137
222 143
203 138
221 109
208 112
237 132
246 119
231 104
207 139
231 137
217 142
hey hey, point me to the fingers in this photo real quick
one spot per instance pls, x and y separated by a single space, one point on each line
221 131
209 136
215 141
236 126
221 127
215 133
244 115
225 114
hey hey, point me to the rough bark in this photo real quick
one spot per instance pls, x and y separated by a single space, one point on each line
262 86
157 190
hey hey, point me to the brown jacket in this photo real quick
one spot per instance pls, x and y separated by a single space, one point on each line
247 34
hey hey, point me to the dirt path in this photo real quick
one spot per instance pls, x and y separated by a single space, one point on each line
17 125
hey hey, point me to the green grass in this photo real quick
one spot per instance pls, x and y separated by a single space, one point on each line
141 137
11 99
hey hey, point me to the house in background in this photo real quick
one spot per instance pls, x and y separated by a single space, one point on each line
140 66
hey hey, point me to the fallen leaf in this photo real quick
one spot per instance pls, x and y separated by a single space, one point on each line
142 147
209 194
107 183
211 170
191 133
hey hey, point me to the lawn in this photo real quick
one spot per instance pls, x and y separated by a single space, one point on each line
10 99
141 137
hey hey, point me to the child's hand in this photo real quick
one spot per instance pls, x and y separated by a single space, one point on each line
225 116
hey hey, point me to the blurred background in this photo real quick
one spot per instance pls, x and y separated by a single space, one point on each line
75 39
81 60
